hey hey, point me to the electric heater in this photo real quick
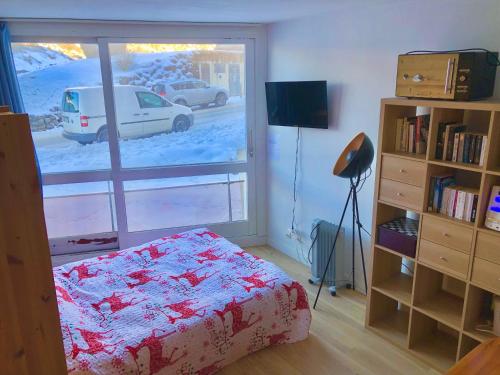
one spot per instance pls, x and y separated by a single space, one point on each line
324 232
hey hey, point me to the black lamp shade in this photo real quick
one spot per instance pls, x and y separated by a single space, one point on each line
356 157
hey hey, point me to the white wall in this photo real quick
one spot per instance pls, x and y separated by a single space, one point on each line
355 48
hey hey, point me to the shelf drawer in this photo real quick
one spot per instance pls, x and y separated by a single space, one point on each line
402 194
487 274
403 170
487 247
447 234
443 258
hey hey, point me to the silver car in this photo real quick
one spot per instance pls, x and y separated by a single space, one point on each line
192 93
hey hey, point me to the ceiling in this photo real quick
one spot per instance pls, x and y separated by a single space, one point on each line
253 11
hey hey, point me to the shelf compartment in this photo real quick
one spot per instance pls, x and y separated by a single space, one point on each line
465 180
432 341
478 311
467 344
391 114
393 276
389 318
476 121
439 296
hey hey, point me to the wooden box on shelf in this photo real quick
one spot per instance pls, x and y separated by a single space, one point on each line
433 312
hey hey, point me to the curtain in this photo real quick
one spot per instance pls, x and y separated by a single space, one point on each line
10 94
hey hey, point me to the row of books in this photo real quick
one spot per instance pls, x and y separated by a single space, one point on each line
455 144
451 200
412 134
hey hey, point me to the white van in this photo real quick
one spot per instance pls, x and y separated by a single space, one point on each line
139 112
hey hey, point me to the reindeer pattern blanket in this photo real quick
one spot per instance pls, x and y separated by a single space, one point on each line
185 304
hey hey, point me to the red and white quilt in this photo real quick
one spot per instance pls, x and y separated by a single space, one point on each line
186 304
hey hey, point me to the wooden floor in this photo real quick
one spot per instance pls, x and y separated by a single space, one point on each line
338 343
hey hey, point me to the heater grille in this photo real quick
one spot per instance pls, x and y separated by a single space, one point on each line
325 232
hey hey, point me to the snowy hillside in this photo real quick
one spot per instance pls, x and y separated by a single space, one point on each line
44 83
31 58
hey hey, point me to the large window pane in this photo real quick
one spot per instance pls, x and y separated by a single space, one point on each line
184 201
79 209
62 92
179 103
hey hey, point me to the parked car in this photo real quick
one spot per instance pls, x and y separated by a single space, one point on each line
192 92
139 112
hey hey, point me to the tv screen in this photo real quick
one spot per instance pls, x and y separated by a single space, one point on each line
301 103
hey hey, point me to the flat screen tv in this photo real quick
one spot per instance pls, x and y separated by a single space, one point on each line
300 103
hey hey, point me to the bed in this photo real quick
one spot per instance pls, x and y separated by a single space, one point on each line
190 303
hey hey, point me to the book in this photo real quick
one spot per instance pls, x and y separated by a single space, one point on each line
446 200
452 204
477 152
460 154
466 148
449 136
456 141
440 141
483 150
460 205
472 148
474 208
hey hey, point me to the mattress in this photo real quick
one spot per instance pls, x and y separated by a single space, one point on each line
190 303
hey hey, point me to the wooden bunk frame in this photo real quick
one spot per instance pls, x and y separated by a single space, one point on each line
30 333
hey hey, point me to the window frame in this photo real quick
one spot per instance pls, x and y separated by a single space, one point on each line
108 32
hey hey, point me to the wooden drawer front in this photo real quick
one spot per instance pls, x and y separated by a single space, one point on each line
447 234
402 170
488 247
487 274
451 261
428 76
402 194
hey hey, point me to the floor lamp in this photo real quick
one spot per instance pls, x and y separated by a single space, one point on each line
355 160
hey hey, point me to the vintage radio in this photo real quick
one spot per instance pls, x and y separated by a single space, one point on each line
453 76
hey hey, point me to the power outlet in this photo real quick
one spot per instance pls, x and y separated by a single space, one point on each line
293 235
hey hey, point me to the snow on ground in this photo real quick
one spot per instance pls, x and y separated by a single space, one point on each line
218 135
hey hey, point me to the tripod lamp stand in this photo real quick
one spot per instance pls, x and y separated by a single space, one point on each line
352 163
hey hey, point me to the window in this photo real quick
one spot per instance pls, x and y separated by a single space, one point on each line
174 166
70 102
150 100
64 122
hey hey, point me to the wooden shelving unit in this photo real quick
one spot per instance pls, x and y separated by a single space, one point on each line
432 304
